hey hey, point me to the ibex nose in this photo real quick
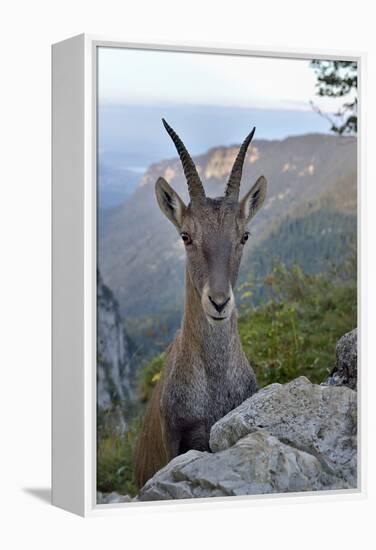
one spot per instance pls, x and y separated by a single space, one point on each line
219 302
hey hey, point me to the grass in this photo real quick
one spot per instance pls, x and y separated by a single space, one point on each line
114 459
295 332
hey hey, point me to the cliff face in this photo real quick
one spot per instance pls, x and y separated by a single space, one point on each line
113 353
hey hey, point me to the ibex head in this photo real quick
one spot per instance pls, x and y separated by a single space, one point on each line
214 231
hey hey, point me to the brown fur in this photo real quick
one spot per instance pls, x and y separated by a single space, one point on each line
150 452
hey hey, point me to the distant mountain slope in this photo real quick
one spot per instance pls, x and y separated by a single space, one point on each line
140 253
316 242
114 185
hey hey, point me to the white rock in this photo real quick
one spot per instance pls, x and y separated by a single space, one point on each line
257 464
286 438
345 372
321 420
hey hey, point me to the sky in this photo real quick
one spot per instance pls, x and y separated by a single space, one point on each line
154 77
210 100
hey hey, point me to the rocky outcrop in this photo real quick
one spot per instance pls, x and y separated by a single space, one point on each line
286 438
113 353
346 368
319 420
257 464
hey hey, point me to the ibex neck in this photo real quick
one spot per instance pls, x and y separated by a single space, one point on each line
213 343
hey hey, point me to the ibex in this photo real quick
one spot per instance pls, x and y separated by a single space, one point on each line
206 373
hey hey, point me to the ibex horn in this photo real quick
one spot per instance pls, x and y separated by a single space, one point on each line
233 186
195 187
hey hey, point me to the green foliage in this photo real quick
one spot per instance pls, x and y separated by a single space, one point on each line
149 375
295 332
114 459
115 448
339 79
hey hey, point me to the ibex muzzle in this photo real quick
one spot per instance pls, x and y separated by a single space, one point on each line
206 373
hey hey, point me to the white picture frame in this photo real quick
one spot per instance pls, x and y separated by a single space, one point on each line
74 273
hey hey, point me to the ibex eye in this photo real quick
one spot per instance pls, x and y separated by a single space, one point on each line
186 238
245 237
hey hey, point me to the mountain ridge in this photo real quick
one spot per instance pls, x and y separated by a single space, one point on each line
139 250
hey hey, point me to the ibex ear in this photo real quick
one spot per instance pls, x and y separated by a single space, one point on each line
169 202
253 200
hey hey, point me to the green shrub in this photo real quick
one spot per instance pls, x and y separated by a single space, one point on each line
114 459
114 449
295 332
149 375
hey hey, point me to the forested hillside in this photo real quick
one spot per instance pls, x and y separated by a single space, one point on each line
140 251
309 217
316 242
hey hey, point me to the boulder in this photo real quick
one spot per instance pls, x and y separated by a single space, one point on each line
345 370
321 420
286 438
259 463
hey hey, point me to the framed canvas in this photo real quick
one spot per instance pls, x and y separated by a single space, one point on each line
207 281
